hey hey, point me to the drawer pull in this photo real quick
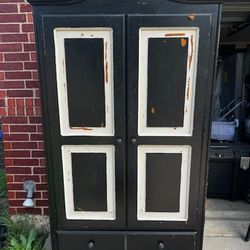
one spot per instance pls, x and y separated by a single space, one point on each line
91 244
161 245
133 140
119 140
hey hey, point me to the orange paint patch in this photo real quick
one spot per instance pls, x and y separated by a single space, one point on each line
192 17
84 128
192 52
106 72
87 128
183 42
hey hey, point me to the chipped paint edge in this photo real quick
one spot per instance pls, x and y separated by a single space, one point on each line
71 214
106 34
182 215
192 33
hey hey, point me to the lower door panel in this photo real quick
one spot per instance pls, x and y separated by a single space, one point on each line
126 240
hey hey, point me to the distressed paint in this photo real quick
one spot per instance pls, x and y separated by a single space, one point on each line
71 214
87 128
153 110
188 88
192 52
192 17
106 72
182 214
85 33
183 42
191 38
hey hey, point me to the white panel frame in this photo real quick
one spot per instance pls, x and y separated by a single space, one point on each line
192 33
182 215
71 214
107 35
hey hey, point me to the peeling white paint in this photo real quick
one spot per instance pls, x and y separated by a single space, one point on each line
182 215
84 33
71 214
192 34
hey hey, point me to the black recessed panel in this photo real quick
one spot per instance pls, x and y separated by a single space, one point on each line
163 176
89 181
85 82
167 66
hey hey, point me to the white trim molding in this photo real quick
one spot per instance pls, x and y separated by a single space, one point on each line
60 34
192 34
182 215
71 213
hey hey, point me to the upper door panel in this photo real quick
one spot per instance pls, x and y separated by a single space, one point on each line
85 83
167 69
85 58
166 98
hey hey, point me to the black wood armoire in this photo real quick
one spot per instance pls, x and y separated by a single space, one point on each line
126 88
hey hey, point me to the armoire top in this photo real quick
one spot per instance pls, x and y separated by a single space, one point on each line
68 2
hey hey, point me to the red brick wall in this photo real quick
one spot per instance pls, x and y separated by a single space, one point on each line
20 107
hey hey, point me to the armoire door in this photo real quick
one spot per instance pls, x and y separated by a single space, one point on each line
168 58
84 63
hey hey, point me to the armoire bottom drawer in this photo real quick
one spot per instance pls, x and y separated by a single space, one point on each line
126 240
164 241
78 241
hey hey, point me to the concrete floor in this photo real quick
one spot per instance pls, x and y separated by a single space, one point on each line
225 209
226 225
225 243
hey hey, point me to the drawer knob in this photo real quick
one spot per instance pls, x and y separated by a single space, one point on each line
161 245
119 140
91 244
133 140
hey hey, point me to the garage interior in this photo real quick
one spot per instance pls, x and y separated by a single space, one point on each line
228 191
